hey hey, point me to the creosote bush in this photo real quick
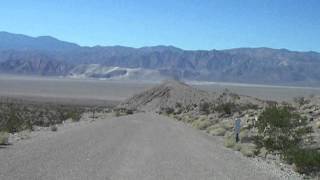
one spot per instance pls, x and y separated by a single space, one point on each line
13 119
54 128
129 111
282 131
17 116
305 160
204 107
167 110
65 113
226 108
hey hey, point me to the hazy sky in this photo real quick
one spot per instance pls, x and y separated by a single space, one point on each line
189 24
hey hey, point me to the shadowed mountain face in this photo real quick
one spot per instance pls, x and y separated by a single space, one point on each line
246 65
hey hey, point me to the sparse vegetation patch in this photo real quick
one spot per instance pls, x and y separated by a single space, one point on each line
4 138
16 116
282 131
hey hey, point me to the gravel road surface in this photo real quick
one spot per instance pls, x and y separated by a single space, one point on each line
143 146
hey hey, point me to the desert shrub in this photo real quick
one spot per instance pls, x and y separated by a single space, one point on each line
305 160
311 96
212 127
248 149
167 110
178 105
262 152
227 124
177 117
216 131
13 120
117 113
282 131
204 107
229 141
234 96
201 124
189 119
4 138
244 136
249 106
237 147
226 108
54 128
61 114
178 111
74 114
16 116
300 100
318 124
129 111
271 103
94 111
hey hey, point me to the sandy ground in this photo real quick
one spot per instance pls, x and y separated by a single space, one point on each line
142 146
100 91
67 91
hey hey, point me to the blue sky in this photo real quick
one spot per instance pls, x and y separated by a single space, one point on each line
188 24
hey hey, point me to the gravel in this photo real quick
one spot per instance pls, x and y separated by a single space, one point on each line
142 146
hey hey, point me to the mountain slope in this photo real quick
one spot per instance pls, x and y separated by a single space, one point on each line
32 62
244 65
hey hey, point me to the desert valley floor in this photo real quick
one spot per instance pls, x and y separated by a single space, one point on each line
102 91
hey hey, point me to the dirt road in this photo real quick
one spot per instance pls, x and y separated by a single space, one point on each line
143 146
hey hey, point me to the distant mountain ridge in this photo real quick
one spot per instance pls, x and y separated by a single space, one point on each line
23 42
20 54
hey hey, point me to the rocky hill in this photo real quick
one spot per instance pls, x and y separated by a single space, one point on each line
169 94
244 65
176 95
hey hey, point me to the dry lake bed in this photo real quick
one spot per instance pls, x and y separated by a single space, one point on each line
90 91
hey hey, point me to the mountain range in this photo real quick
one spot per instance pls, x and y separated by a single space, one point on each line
48 56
